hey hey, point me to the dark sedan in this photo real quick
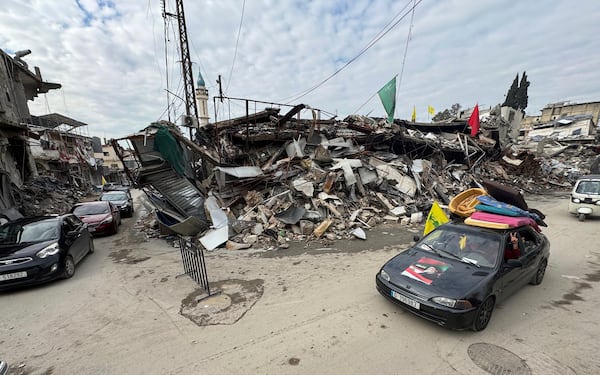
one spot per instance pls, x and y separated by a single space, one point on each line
456 274
120 198
40 249
101 217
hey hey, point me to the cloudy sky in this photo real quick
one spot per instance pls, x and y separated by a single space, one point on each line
110 55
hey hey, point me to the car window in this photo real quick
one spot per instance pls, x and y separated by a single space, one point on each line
479 247
91 209
37 231
588 187
529 241
72 221
113 197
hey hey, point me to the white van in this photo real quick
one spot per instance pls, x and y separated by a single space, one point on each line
585 197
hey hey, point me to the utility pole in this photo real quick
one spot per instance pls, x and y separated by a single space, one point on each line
191 109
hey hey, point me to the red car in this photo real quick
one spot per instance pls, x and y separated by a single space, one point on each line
101 217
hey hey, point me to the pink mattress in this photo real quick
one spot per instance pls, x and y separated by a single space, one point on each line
512 221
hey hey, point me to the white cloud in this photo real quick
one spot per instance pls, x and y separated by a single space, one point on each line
109 56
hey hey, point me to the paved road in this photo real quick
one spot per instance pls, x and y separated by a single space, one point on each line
128 311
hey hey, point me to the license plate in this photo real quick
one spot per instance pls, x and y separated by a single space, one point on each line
12 276
410 302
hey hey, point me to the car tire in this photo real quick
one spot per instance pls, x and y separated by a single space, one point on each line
539 273
69 267
484 314
92 249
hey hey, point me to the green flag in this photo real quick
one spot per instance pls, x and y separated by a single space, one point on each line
387 94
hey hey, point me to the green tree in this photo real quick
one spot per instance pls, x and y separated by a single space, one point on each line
441 116
447 114
521 96
511 95
454 109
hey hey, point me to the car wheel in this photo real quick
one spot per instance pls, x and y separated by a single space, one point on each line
484 314
92 249
539 274
69 267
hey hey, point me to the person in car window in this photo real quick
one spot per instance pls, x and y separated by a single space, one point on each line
512 247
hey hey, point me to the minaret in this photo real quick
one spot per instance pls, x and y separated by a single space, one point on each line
202 99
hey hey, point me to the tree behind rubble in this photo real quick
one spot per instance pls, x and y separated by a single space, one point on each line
517 97
447 114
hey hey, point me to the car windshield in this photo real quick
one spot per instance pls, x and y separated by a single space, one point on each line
588 187
114 197
37 231
482 249
91 209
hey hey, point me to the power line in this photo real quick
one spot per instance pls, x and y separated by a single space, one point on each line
406 46
403 60
236 46
380 35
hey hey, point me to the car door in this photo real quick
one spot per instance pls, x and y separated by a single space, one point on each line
531 252
76 239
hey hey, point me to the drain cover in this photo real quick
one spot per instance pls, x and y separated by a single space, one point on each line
497 360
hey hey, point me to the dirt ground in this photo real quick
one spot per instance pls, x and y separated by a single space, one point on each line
311 308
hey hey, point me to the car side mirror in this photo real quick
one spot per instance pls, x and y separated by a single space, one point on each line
72 233
514 263
416 238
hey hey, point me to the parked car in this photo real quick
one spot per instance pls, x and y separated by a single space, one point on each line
100 216
458 273
40 249
585 197
121 199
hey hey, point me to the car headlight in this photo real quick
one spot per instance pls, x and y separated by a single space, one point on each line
460 304
384 275
576 200
48 251
107 220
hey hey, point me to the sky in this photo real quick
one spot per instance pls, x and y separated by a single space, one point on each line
117 62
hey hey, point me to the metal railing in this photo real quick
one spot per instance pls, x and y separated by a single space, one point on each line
193 263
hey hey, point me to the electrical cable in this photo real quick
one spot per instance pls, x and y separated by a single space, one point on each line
236 46
403 60
381 34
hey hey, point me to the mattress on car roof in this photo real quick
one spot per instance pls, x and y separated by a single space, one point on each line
486 224
512 221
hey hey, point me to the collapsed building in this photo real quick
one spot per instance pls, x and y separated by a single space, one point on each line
270 177
46 162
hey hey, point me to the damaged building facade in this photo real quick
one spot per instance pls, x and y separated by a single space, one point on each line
39 153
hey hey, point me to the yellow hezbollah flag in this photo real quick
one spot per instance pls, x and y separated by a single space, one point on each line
103 181
414 115
430 110
435 218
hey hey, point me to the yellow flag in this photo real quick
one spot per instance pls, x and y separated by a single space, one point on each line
435 218
430 110
414 115
103 181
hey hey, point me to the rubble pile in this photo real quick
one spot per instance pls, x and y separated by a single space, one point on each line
46 196
276 178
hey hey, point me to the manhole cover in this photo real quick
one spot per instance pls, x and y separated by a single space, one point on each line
497 360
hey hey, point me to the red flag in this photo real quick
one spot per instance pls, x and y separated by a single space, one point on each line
474 121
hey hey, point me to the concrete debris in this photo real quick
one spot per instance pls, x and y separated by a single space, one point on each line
359 233
331 179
